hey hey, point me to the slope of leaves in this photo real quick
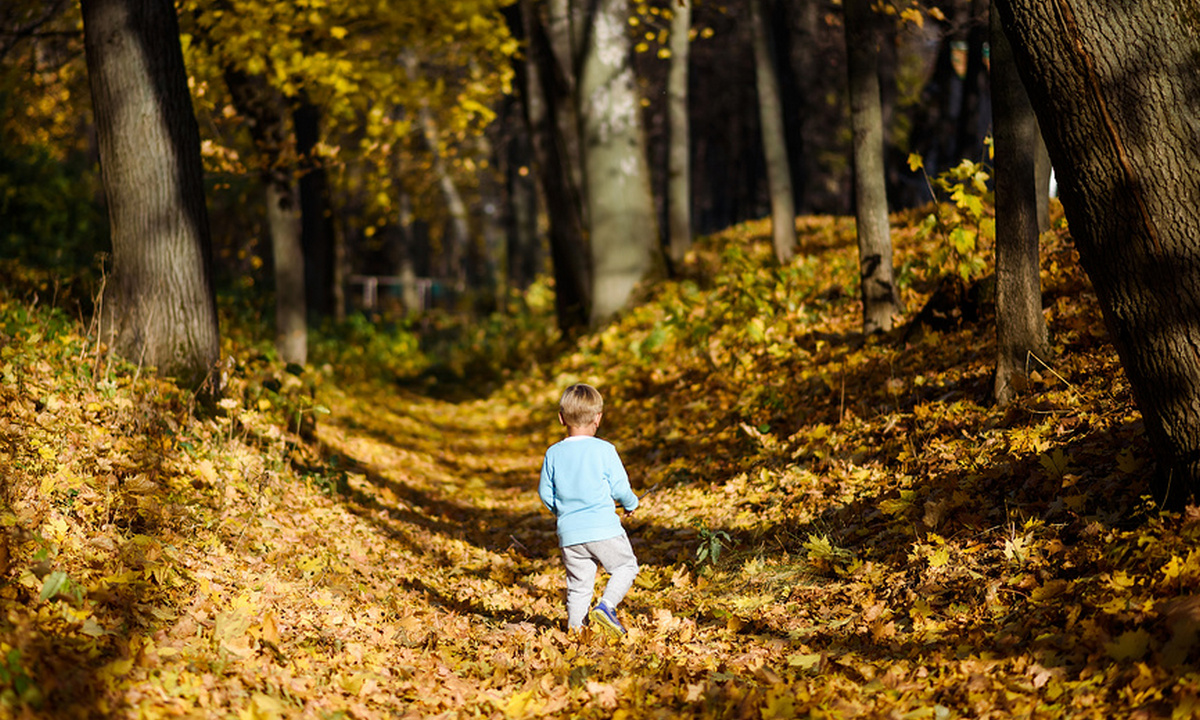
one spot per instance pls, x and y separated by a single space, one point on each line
835 527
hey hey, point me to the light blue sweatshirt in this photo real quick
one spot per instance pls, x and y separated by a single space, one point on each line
581 477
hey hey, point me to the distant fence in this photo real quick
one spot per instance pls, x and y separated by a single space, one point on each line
428 291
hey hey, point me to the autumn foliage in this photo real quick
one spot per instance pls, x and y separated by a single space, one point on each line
837 526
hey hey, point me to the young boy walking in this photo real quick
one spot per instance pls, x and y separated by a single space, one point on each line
581 477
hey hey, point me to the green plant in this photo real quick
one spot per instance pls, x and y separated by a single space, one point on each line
711 544
962 217
16 686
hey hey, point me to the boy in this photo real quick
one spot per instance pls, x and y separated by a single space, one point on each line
581 477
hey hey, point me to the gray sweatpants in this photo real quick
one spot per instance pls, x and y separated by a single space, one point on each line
616 556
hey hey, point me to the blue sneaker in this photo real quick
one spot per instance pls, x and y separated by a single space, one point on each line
606 617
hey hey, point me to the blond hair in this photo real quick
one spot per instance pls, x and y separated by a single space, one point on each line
580 404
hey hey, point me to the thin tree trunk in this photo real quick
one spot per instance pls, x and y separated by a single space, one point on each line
549 108
261 105
970 131
162 309
457 234
779 175
315 212
405 255
879 299
524 248
287 253
491 227
679 193
1021 334
1042 173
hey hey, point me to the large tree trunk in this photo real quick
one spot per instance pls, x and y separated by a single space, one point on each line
1021 334
770 106
679 169
548 96
622 227
879 299
1115 87
162 311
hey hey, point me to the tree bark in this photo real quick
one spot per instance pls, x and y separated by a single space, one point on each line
975 92
1115 87
315 212
524 253
1021 333
548 96
879 299
162 311
622 227
679 170
779 174
1043 172
262 107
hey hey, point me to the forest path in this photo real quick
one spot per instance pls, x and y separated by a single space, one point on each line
453 574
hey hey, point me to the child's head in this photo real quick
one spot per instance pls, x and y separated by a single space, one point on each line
580 405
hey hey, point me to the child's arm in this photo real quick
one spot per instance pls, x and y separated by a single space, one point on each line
622 492
546 487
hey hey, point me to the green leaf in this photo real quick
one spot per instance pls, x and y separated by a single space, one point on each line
56 584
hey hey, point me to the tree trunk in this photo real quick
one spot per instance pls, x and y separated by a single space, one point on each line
315 212
457 233
879 299
809 174
404 255
622 226
975 93
491 229
679 193
162 311
549 106
1043 172
1020 326
524 252
262 107
1115 87
779 175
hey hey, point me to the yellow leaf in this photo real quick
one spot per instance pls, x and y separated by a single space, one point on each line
337 32
519 704
939 558
913 16
1052 589
117 668
267 707
1129 645
804 661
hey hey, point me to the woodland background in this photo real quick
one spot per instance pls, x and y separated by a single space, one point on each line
837 522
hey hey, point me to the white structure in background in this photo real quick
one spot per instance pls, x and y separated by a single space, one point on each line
371 283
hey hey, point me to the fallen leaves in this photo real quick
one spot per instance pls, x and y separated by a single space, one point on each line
876 542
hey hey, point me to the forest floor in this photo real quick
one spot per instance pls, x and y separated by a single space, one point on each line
835 527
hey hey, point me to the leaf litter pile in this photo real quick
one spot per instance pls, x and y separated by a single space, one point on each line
833 527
